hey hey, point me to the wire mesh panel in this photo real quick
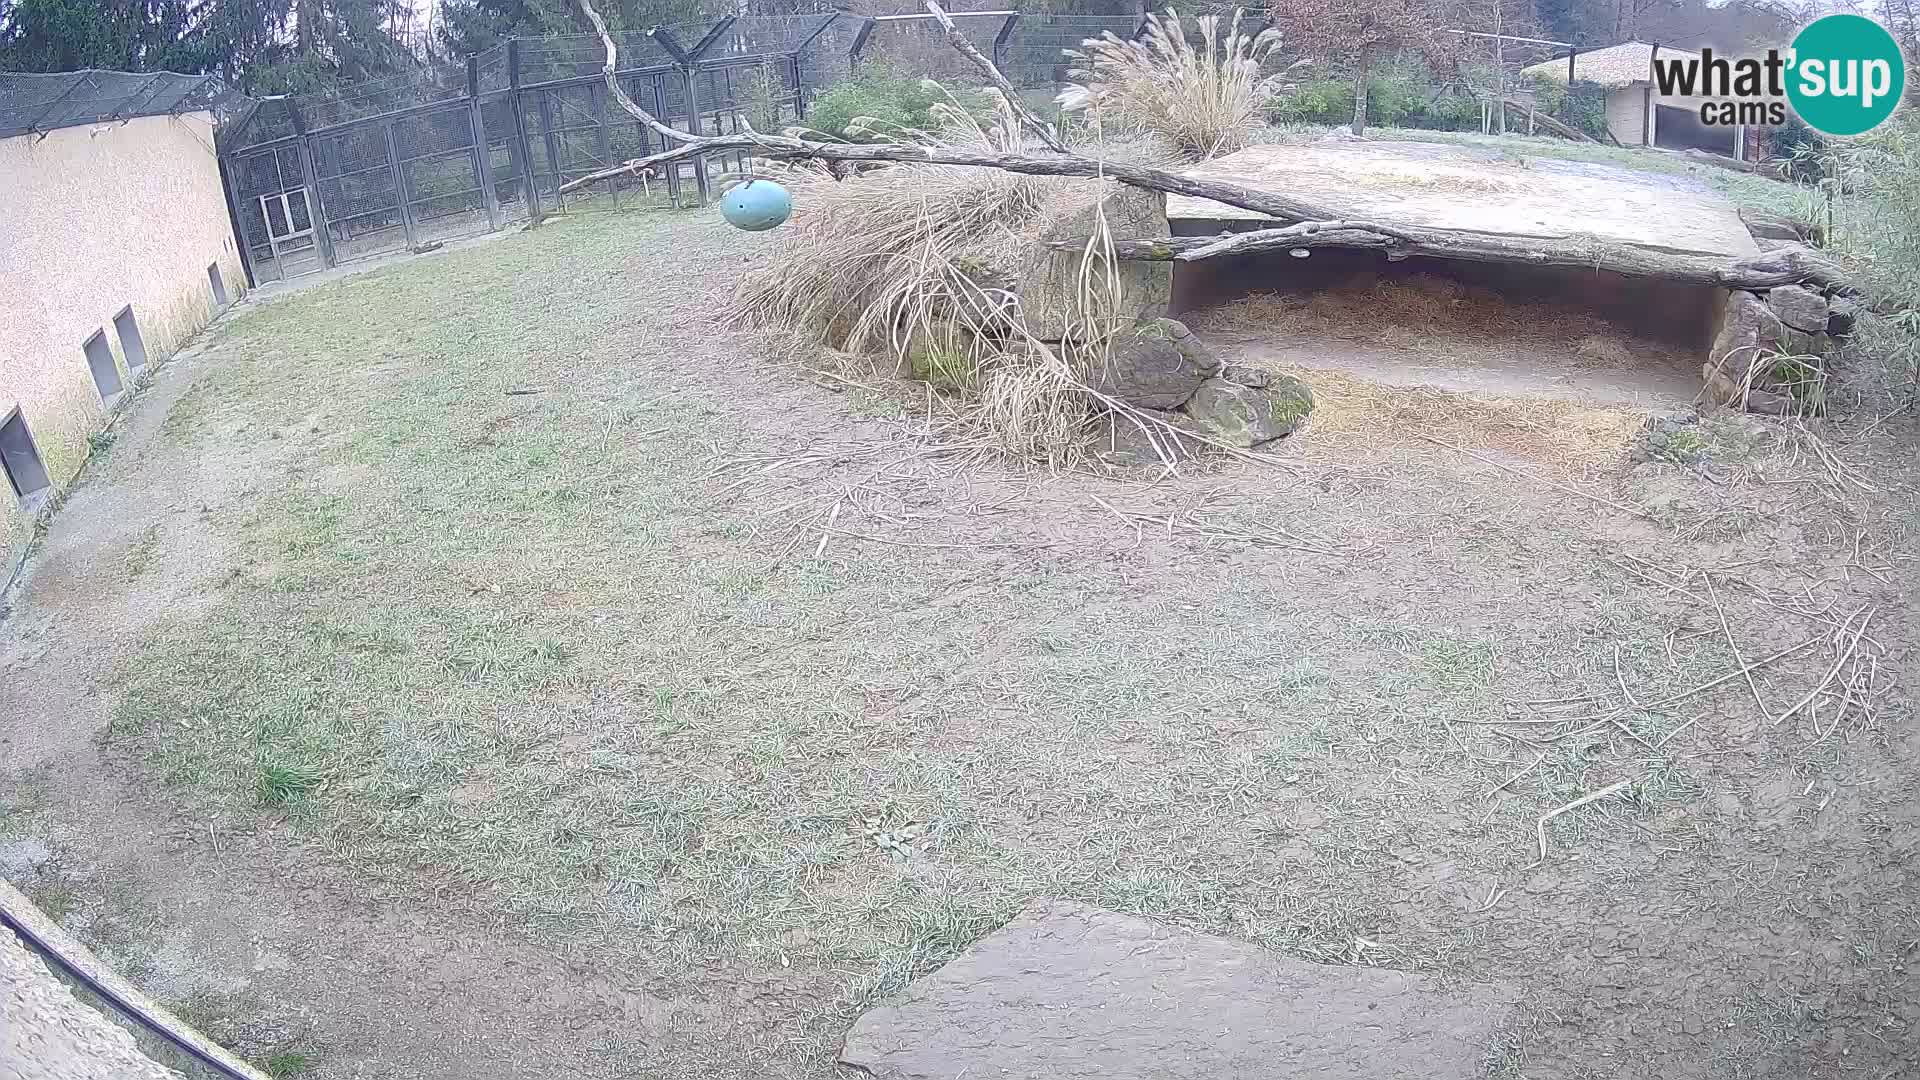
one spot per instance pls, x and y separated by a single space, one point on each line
1034 54
40 103
275 206
440 177
359 101
578 129
573 56
359 190
919 47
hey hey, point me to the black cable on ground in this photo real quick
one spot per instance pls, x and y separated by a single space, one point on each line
128 1008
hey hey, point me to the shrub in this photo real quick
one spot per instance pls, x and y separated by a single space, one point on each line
1396 97
892 101
1582 106
1202 100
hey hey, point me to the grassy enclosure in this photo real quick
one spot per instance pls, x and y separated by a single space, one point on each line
671 657
633 646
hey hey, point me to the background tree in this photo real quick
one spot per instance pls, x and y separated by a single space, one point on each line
1361 34
474 26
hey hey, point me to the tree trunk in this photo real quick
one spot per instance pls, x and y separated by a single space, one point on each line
1360 98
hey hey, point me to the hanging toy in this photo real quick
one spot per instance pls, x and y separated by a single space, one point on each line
756 205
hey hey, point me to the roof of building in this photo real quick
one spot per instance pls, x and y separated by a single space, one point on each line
1612 67
41 103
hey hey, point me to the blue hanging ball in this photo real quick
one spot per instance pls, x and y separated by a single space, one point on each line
756 206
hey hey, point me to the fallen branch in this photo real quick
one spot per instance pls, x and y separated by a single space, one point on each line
1040 128
1540 827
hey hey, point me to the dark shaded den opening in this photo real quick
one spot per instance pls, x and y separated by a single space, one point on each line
1495 326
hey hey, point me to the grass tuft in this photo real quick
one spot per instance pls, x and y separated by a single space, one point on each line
285 785
1204 99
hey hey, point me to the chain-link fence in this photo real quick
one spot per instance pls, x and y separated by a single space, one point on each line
409 162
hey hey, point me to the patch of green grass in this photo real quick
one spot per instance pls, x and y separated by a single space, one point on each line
871 405
140 556
288 1064
568 675
54 897
285 785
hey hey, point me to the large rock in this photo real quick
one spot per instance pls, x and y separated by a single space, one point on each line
1842 316
1762 225
1800 308
1721 390
1247 375
1068 991
1158 365
1048 279
1749 331
1771 403
1249 415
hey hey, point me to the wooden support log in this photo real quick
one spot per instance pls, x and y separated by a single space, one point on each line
1790 265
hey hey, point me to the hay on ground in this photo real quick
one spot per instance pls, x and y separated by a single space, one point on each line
1355 411
1442 317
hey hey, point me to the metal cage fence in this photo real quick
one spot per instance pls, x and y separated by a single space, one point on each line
406 162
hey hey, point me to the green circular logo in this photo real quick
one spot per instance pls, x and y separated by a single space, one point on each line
1846 74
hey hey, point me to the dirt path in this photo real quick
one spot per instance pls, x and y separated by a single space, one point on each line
599 722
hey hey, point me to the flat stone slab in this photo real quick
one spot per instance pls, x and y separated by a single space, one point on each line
1481 189
1069 990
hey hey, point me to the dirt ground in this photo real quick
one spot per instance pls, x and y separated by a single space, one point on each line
488 666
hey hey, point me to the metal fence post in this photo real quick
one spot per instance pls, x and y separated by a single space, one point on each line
1000 41
860 41
673 168
799 91
400 187
603 137
482 149
552 144
690 75
521 149
316 204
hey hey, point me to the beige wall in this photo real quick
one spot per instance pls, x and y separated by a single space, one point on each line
92 219
1627 113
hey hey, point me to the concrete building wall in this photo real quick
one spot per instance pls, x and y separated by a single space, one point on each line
94 219
1627 114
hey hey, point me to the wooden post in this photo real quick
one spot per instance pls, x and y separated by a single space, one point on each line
521 149
482 149
400 187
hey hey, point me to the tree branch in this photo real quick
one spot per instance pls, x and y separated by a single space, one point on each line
1040 128
607 72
